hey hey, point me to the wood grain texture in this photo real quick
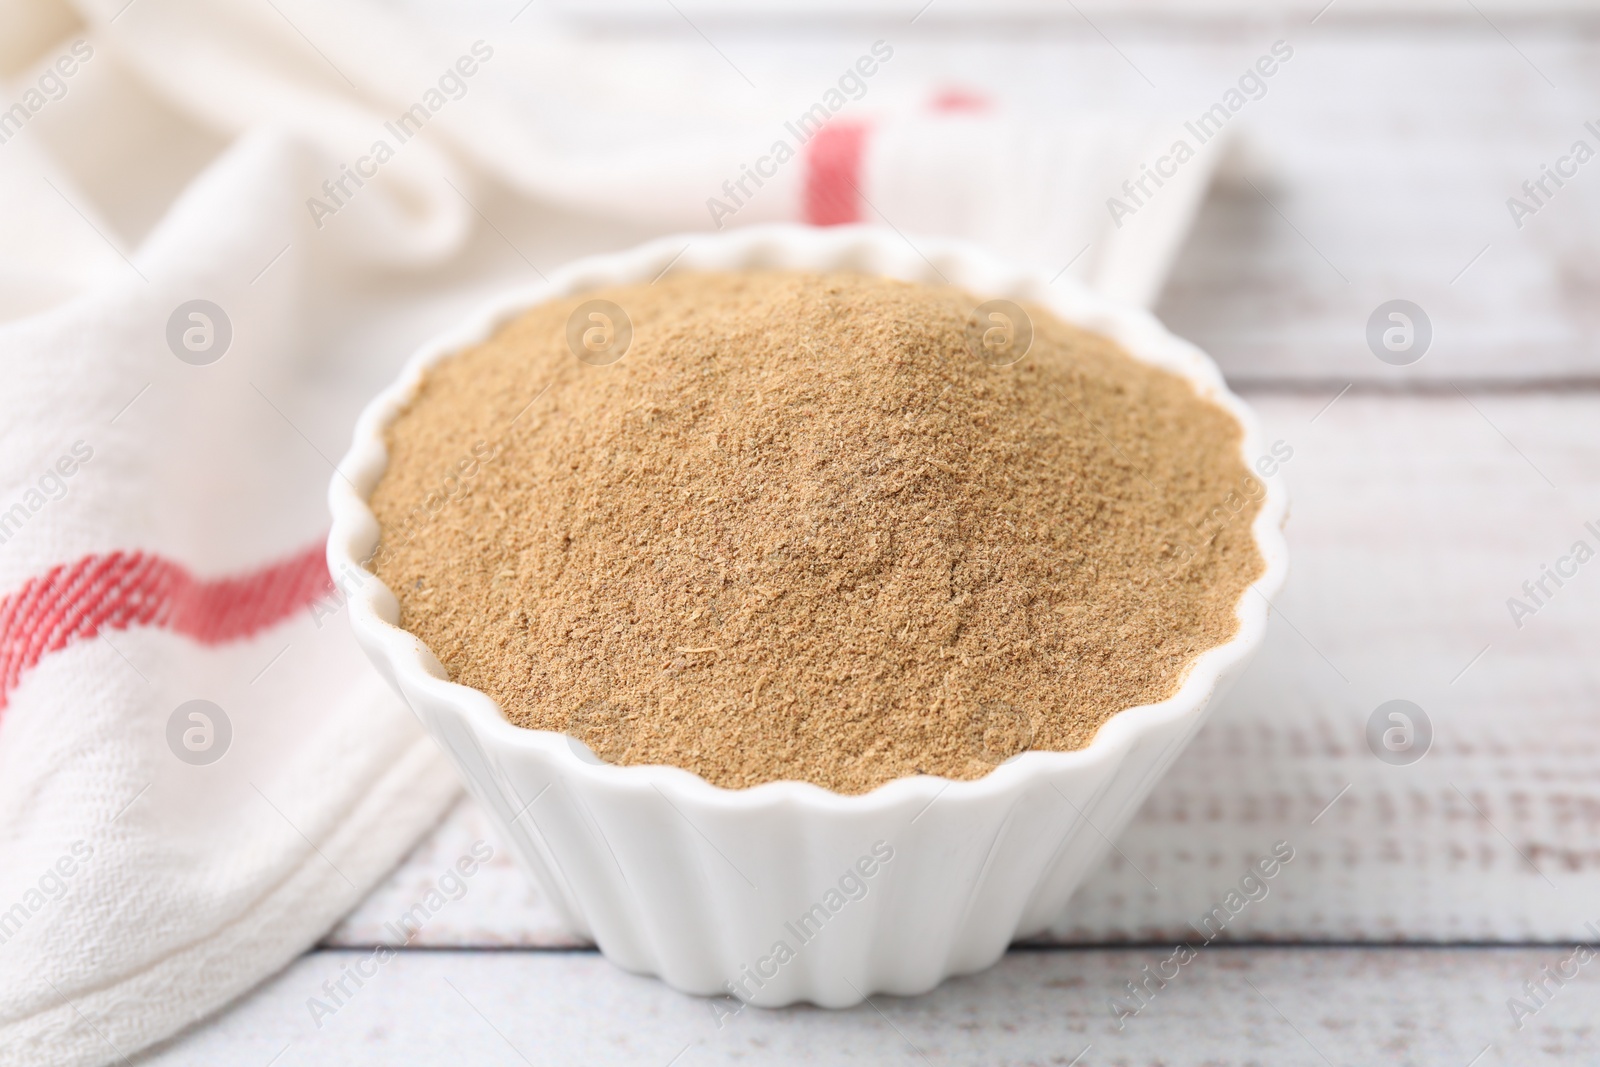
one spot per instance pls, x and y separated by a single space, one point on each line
1413 520
1376 166
1382 171
1377 169
1309 1006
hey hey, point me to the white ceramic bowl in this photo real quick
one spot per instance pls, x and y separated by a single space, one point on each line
789 892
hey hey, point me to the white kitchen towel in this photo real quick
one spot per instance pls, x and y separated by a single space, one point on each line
208 264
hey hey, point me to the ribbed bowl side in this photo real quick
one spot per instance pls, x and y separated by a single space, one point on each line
781 903
787 892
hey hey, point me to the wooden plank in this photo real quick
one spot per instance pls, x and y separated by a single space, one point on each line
1377 166
1382 172
1414 519
1306 1006
501 906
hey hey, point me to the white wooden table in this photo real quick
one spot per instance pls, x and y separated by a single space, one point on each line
1287 1007
1424 496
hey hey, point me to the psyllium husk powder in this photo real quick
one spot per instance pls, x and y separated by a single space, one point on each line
801 531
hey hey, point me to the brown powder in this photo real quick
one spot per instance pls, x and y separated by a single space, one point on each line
801 532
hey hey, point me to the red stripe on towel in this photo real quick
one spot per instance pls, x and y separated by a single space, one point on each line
833 174
77 601
958 99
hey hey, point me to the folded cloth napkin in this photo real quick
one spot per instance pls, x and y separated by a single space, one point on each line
209 264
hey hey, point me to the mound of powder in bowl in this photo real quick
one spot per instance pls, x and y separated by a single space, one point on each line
801 531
